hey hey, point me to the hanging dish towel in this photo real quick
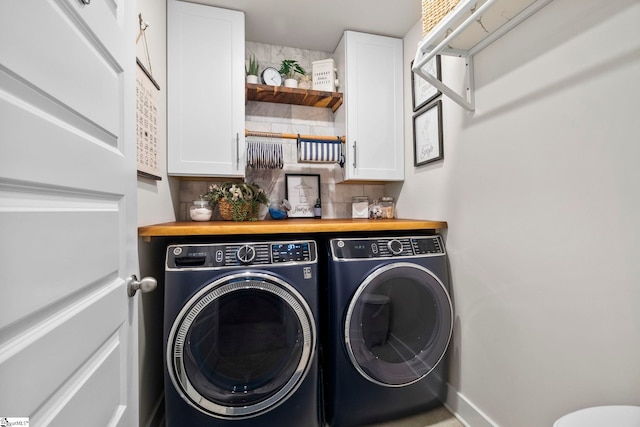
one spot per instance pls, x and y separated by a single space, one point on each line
262 154
319 151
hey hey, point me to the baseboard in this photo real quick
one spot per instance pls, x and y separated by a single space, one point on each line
156 418
465 411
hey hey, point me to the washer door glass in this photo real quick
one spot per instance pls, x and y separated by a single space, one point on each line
241 347
398 324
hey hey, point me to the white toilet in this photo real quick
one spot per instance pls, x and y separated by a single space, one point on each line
602 416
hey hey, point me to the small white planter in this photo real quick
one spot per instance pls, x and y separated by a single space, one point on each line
290 83
252 79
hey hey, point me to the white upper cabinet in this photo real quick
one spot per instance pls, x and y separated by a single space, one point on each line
370 70
205 90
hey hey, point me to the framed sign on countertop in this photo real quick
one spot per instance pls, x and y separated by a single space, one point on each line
302 191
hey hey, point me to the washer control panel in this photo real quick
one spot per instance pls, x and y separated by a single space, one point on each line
220 255
386 247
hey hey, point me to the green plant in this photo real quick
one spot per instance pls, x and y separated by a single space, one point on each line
244 198
252 69
290 67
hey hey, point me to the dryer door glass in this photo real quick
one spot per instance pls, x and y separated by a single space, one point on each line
398 324
242 347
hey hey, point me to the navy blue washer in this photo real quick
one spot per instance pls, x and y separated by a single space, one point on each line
240 334
390 320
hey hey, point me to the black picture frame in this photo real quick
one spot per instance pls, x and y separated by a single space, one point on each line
302 191
423 92
428 144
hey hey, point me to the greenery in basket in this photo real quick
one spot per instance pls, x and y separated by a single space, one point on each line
290 67
252 69
244 198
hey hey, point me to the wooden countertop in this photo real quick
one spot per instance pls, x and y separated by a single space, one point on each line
193 228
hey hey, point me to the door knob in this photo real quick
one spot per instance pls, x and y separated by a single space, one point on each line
147 284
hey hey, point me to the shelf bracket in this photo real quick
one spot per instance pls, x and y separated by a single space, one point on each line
468 101
427 48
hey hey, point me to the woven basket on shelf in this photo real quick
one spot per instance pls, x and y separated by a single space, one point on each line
238 211
433 11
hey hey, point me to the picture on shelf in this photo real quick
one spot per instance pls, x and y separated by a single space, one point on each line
302 191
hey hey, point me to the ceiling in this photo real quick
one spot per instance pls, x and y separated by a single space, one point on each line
319 26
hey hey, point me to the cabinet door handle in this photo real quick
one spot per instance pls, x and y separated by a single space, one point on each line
237 151
354 153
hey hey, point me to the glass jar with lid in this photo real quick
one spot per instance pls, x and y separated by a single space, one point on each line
200 210
388 207
375 211
360 207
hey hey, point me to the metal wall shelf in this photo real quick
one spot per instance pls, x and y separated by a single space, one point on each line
471 26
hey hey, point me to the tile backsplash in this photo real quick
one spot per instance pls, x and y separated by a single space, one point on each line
295 119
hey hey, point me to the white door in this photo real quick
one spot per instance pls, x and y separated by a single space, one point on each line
68 331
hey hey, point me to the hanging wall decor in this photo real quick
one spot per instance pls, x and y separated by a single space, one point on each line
422 91
427 134
146 115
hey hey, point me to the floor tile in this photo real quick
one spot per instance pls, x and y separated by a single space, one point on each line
439 417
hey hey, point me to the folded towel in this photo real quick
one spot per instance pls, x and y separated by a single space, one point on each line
319 151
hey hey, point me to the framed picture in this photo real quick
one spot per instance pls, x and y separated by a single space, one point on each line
422 91
427 134
302 191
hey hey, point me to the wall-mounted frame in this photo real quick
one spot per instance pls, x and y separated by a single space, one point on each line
146 112
147 155
302 191
427 134
422 91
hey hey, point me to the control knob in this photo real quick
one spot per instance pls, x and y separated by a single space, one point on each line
245 254
395 246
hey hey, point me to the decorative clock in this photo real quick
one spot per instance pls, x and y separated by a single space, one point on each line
270 76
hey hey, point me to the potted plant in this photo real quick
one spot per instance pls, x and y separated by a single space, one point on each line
288 69
237 201
252 69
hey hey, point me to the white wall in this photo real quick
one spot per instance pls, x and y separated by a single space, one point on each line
541 190
156 200
155 197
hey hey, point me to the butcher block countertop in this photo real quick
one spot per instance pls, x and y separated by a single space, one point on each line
213 228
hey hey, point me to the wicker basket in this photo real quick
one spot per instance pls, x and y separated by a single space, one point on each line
433 11
246 211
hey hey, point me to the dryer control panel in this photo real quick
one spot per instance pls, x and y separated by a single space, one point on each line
207 256
385 247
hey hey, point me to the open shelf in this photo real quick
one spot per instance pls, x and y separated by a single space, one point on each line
293 96
471 26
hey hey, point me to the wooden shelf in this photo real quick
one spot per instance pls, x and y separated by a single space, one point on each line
293 96
217 228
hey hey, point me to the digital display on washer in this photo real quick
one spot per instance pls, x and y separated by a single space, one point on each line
291 251
427 245
349 249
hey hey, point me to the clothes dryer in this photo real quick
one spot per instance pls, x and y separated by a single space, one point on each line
240 334
390 320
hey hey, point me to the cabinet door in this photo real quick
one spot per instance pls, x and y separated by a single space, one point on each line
205 56
374 107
